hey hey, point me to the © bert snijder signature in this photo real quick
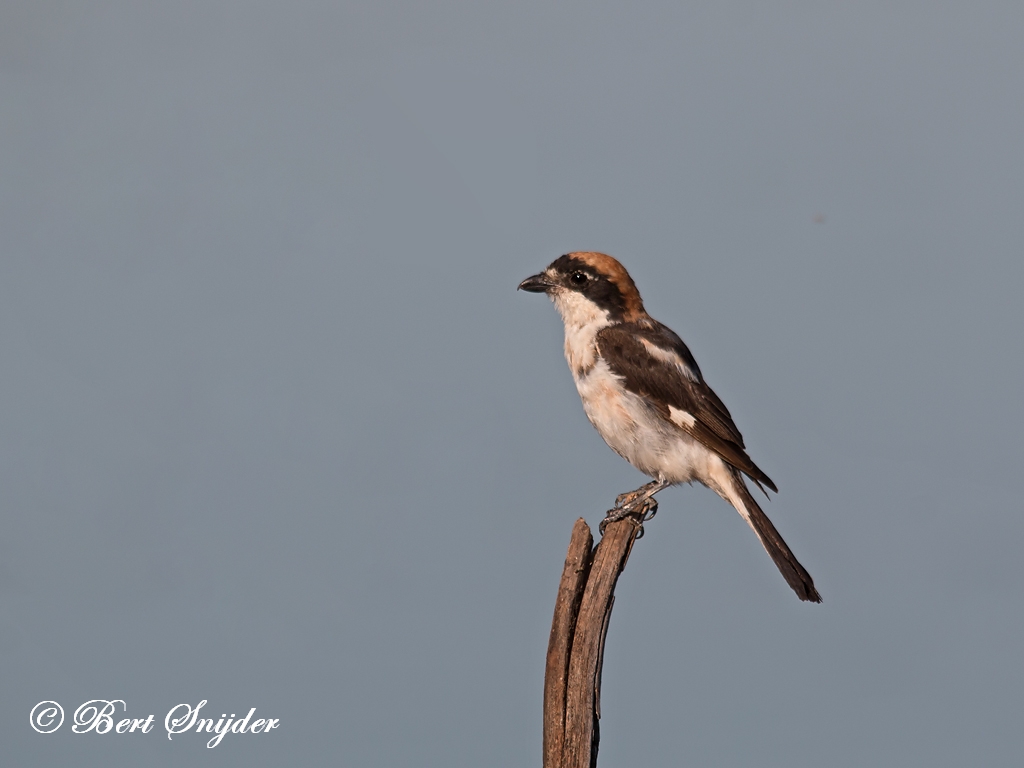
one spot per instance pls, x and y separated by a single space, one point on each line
98 716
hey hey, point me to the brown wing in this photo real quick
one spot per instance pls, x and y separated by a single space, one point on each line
654 362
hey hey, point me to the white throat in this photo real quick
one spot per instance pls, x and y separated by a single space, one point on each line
582 319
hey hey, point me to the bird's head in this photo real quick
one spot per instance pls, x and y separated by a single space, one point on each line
585 286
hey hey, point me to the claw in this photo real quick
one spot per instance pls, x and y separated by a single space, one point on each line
650 509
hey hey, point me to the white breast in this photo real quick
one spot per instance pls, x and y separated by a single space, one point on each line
635 430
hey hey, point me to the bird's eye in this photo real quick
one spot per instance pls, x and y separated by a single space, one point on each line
578 278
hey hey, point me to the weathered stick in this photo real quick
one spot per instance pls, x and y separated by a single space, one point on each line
567 606
572 681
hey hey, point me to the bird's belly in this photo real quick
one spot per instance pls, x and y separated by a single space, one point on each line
636 432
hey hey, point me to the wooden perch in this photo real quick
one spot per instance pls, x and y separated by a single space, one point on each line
572 677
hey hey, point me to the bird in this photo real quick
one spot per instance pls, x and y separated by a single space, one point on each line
644 393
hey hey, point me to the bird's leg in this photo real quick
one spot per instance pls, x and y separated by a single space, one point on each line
625 500
640 501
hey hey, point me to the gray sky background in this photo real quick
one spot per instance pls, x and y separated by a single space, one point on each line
277 431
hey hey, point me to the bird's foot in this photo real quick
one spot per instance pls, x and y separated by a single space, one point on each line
640 503
643 508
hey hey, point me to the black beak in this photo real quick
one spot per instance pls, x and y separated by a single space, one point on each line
536 284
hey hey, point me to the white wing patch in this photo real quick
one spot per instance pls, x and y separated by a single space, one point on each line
681 418
670 357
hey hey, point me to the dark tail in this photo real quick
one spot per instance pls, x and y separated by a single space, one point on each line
795 574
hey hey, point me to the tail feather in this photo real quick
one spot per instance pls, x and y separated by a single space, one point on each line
795 574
